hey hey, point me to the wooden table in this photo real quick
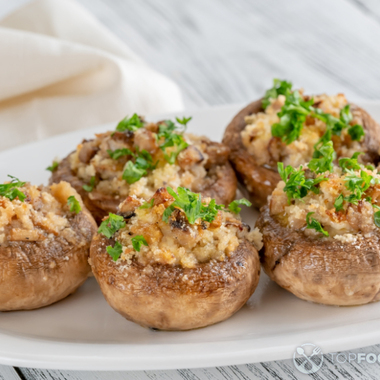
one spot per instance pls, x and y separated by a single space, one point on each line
222 51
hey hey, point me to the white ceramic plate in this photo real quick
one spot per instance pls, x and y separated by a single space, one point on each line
82 332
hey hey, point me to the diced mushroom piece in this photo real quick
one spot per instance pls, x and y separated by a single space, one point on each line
217 154
360 217
88 150
238 224
145 140
180 229
128 206
189 157
153 127
161 196
19 234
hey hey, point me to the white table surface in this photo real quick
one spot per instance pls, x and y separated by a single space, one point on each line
228 51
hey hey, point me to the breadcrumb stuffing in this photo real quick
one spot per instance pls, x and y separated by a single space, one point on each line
179 243
268 150
42 216
343 225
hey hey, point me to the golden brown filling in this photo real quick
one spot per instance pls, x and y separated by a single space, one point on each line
268 150
101 162
43 214
345 205
175 241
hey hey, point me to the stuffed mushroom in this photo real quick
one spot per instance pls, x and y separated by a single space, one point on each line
140 157
288 126
175 262
45 237
321 232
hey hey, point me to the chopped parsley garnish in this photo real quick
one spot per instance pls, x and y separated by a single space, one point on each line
350 163
74 204
296 184
183 121
111 225
147 204
191 204
292 118
11 191
172 139
338 204
324 158
358 185
312 223
53 167
117 153
295 110
134 171
138 241
115 251
90 186
132 123
233 206
280 87
376 218
356 132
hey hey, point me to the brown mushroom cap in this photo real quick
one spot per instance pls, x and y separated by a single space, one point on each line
174 298
259 180
317 269
37 274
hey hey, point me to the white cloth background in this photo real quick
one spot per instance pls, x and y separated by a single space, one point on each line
61 70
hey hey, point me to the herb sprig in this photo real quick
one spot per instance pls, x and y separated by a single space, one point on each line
173 138
191 204
132 123
295 111
296 184
53 167
10 190
74 204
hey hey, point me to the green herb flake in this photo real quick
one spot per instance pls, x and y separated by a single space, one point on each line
74 204
324 158
191 204
11 191
172 138
314 224
338 204
111 225
280 87
53 167
296 184
183 121
115 251
147 204
132 172
376 217
350 163
345 114
138 241
356 132
132 123
233 206
117 153
90 186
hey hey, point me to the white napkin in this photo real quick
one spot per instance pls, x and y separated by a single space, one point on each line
61 70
